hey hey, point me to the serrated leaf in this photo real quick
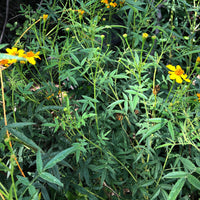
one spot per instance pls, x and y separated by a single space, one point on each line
75 59
194 181
171 130
24 139
117 76
134 103
3 45
156 193
39 163
157 120
7 56
112 105
50 178
176 189
60 157
152 130
178 174
188 164
23 180
20 124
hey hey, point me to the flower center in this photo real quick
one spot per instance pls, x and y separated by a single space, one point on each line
179 72
30 54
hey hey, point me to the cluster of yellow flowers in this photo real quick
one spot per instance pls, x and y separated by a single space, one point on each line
29 56
108 5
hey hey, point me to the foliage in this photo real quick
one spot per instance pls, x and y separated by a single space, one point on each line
93 113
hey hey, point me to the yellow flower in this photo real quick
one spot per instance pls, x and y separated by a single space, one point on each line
198 95
81 12
15 52
198 59
145 35
4 62
104 1
30 56
177 73
45 16
113 4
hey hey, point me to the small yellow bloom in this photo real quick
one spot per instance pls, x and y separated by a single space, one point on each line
113 4
198 95
4 62
198 59
45 16
30 56
50 96
125 35
145 35
104 1
81 12
177 73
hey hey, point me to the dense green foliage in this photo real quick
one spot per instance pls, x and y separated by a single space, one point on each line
98 116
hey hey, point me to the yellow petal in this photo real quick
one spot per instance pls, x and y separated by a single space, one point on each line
178 79
171 67
178 67
184 76
173 76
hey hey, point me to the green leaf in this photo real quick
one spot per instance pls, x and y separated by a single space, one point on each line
19 124
194 181
152 130
23 180
112 105
178 174
28 142
75 59
50 178
176 189
39 163
157 120
171 130
188 164
7 56
134 103
156 193
3 45
60 157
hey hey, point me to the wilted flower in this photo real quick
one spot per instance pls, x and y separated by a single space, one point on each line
177 73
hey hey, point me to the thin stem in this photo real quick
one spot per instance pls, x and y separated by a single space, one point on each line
5 119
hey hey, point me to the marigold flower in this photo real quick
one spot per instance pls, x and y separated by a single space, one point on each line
198 95
113 4
81 12
198 59
4 62
177 73
45 16
30 56
145 35
15 52
104 1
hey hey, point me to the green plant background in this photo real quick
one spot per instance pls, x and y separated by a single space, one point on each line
85 121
